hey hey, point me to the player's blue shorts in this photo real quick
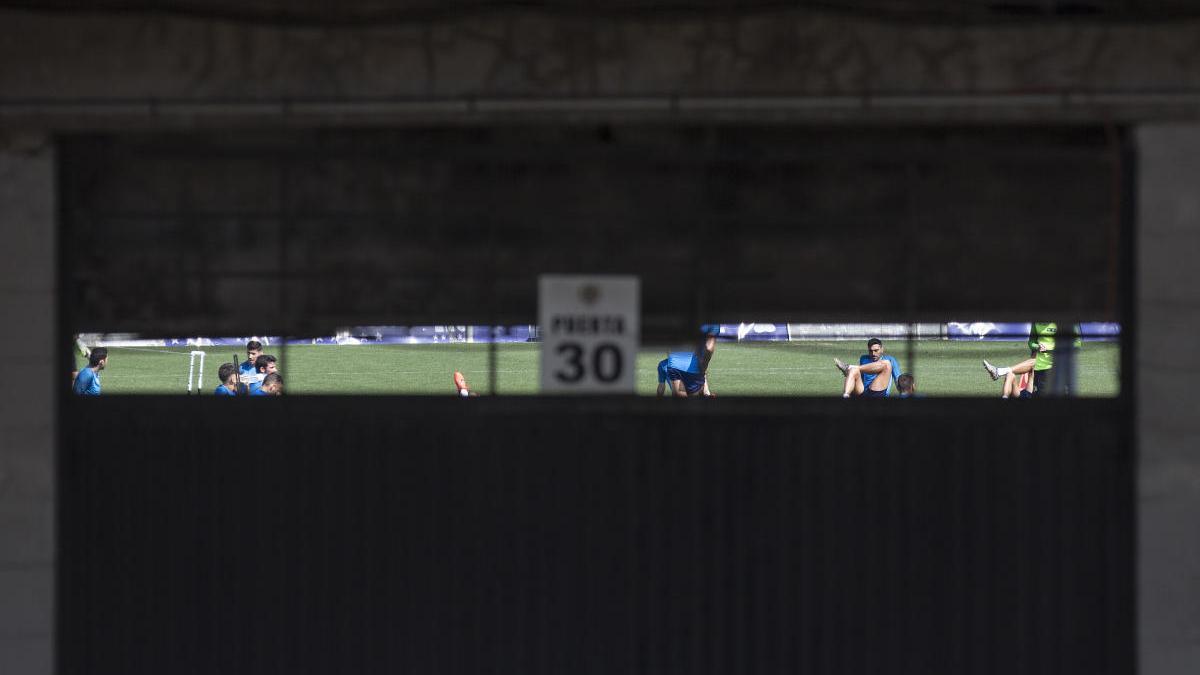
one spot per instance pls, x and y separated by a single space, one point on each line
871 393
662 371
693 383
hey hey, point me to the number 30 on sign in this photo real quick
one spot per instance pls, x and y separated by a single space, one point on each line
589 327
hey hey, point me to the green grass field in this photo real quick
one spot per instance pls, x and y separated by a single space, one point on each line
941 368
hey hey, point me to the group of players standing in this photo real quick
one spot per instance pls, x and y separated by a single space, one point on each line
258 375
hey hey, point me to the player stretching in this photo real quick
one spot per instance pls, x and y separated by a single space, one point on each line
460 384
865 379
1040 364
87 382
687 372
1013 388
664 372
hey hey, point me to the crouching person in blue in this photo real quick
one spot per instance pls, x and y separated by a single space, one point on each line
687 372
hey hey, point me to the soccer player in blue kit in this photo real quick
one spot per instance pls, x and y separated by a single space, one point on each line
228 386
272 385
264 365
87 382
687 372
873 376
247 371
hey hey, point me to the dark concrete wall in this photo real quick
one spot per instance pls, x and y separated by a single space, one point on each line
94 69
302 232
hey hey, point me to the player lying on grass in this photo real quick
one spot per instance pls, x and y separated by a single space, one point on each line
687 372
272 385
87 381
264 365
907 386
228 375
873 376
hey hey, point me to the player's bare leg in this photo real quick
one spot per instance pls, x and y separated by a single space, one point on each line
1010 386
707 346
853 383
882 369
997 372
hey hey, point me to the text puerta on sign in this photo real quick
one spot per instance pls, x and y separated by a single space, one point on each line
590 331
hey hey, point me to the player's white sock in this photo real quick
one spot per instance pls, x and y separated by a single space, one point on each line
1003 370
845 395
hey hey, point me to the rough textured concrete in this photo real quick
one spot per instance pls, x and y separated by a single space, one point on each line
1059 70
27 301
795 52
1169 430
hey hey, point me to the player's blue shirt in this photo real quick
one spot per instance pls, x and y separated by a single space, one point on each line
256 389
222 390
684 362
868 378
662 371
246 371
87 383
683 366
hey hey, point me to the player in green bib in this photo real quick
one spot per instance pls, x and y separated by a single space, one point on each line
1042 338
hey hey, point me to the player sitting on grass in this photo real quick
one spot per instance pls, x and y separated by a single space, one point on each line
688 371
227 374
87 382
1040 362
264 365
865 379
272 385
1013 387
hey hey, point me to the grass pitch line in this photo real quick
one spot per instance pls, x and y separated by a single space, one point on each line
151 349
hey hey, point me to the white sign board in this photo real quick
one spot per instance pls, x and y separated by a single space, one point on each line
590 331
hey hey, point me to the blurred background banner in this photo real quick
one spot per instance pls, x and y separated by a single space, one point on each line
986 330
